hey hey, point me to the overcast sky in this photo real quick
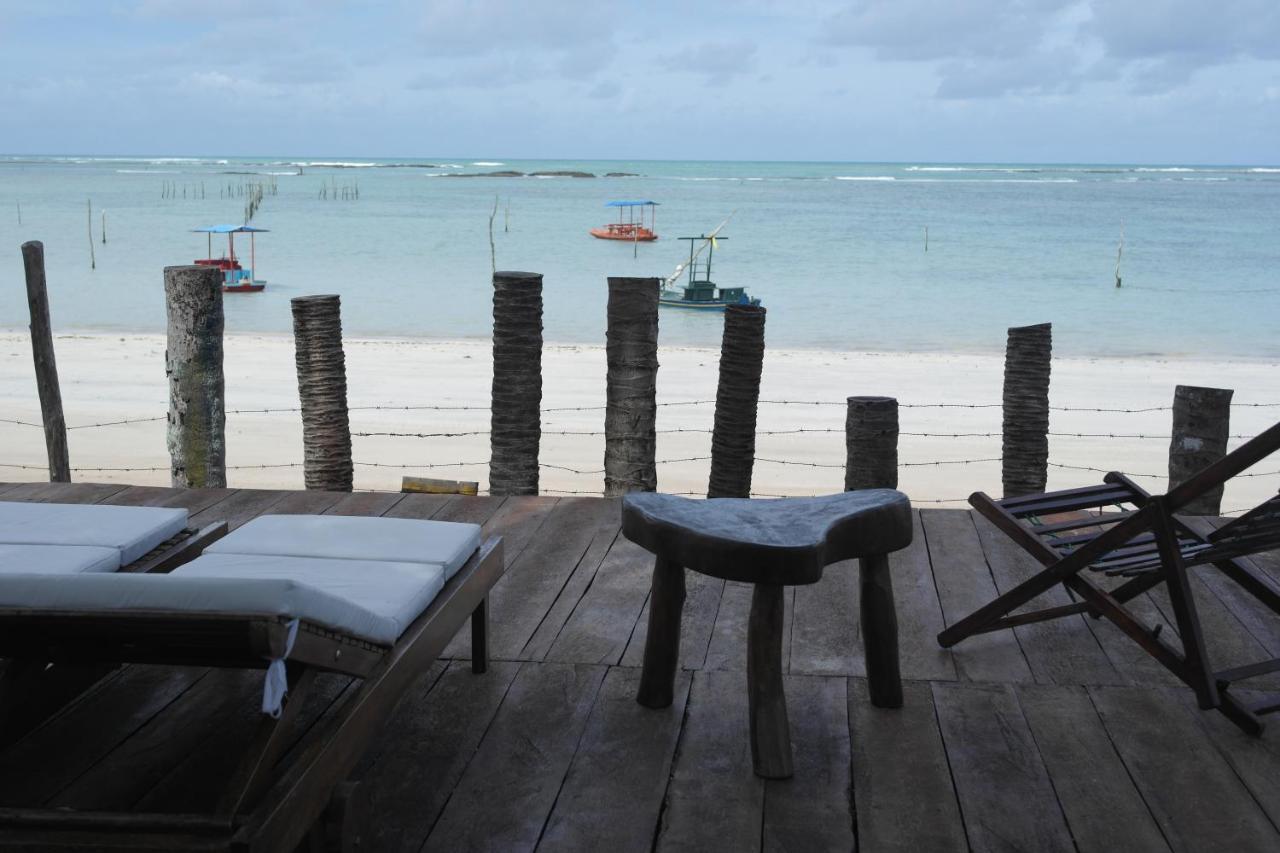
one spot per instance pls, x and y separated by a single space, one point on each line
1150 81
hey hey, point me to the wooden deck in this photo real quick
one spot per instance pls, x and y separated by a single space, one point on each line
1060 736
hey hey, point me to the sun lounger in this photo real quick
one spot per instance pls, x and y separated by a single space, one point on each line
1142 544
69 539
373 598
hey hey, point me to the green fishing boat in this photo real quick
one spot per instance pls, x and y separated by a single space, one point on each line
699 292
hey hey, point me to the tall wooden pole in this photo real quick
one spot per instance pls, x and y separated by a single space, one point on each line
322 388
197 432
631 413
515 431
1201 425
733 439
1026 409
55 426
871 443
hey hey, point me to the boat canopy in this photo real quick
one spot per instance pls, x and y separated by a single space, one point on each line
629 203
227 229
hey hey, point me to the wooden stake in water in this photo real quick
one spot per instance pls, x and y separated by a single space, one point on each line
104 228
1119 252
506 217
493 252
19 213
93 262
926 238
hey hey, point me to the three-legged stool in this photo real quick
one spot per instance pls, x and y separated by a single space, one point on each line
772 544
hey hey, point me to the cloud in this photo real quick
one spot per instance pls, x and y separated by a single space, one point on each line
718 61
989 48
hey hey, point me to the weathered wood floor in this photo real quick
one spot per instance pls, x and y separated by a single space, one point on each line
1059 737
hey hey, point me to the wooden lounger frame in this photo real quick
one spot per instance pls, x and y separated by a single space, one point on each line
31 690
1148 545
263 807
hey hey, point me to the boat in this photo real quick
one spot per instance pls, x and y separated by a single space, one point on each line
235 278
630 226
699 292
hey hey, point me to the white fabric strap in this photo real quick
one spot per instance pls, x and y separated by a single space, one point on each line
276 684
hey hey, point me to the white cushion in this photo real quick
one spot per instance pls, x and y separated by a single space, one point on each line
398 540
132 530
57 559
389 595
370 600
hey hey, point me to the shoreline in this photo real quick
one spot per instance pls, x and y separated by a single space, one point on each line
950 401
1153 357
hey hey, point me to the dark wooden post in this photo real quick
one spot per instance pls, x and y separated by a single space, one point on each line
1201 424
733 439
55 425
322 388
516 418
197 432
631 414
871 443
1026 409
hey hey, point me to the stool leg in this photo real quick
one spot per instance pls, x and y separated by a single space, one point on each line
770 732
662 645
880 632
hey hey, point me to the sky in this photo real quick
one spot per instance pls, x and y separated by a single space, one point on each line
1099 81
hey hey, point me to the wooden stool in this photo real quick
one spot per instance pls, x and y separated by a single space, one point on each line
772 544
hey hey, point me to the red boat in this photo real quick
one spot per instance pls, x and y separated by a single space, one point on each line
235 278
630 226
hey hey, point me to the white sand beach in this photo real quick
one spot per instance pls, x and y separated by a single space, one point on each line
110 377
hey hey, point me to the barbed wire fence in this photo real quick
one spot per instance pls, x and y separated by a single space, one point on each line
1110 429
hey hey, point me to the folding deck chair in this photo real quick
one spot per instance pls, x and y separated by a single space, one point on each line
1145 545
373 598
63 539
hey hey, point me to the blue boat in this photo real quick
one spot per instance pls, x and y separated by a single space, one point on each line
235 278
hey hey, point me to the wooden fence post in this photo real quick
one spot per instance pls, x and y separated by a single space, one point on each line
733 439
1201 425
322 388
871 443
55 425
631 413
197 432
516 416
1026 409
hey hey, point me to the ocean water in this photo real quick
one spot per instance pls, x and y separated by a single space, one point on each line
836 251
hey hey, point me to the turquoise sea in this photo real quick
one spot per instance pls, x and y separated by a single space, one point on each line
836 251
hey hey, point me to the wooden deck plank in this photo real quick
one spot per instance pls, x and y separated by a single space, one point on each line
1060 651
727 648
1104 809
1193 793
66 493
813 810
964 584
613 792
517 521
131 770
507 791
714 801
1260 621
365 503
601 625
243 505
919 611
577 584
426 748
992 755
1255 760
192 500
197 781
902 788
701 606
521 601
53 756
826 638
